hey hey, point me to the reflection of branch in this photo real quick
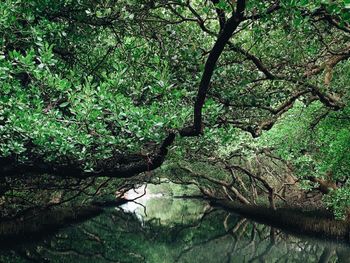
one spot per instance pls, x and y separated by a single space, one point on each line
193 246
92 236
195 225
326 255
261 256
72 251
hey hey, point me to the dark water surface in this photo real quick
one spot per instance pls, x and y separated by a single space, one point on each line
164 229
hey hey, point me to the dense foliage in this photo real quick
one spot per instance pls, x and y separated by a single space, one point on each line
102 87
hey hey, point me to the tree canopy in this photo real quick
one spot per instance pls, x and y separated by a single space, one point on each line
113 88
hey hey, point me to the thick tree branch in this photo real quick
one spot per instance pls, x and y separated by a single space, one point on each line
221 15
230 26
257 62
328 65
226 186
274 7
323 14
116 167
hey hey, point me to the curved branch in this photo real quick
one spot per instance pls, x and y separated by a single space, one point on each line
116 167
221 15
230 27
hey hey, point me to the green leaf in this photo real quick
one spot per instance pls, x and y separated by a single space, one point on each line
64 104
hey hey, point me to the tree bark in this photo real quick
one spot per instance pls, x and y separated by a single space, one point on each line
225 35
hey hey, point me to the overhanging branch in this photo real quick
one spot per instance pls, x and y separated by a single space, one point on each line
115 167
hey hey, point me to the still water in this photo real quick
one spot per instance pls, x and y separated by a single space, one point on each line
163 229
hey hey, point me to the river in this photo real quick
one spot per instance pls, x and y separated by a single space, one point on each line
160 229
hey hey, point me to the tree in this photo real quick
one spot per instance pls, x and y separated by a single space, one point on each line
102 89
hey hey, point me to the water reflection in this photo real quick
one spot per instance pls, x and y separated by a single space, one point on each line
164 229
166 210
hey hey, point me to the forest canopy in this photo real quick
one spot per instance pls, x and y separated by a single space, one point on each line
240 98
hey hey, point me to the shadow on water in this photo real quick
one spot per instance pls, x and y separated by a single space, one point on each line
164 229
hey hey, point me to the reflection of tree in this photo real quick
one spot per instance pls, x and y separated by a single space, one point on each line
213 237
34 193
343 255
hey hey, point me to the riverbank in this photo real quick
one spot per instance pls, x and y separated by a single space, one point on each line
313 223
40 223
